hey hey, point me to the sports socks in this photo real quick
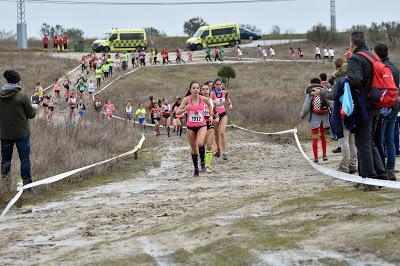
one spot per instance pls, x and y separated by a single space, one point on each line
195 159
209 157
202 152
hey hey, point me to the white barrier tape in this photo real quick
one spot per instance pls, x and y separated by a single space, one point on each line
328 171
345 176
278 60
265 133
114 80
61 176
66 75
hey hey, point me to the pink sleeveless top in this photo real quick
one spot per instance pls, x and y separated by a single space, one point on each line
219 102
195 113
57 86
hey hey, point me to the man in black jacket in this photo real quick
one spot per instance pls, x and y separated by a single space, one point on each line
360 74
389 120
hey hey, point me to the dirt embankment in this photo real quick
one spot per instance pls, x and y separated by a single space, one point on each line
264 205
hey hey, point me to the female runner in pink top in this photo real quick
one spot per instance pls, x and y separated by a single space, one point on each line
109 108
219 96
194 106
57 88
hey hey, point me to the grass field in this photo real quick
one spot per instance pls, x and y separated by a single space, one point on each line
53 145
308 48
268 95
35 68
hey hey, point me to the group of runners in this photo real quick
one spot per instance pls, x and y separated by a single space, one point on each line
206 119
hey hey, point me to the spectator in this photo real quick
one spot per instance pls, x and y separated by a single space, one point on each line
348 54
349 154
389 116
55 43
45 43
360 73
65 43
15 111
317 109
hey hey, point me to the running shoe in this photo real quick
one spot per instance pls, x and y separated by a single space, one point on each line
365 187
224 157
337 150
209 170
196 172
324 158
353 169
203 167
217 153
316 161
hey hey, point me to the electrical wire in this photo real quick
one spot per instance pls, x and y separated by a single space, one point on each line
169 3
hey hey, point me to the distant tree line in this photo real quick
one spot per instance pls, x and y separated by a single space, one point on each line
386 31
72 33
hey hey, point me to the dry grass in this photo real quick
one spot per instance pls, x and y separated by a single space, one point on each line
35 68
63 146
268 96
308 48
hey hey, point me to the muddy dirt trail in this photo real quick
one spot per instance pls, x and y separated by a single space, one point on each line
264 205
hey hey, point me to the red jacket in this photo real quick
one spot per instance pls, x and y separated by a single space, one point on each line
45 40
65 40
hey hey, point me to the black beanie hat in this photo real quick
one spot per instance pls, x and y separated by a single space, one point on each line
12 76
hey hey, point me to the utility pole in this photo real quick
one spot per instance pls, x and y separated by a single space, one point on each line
22 36
333 15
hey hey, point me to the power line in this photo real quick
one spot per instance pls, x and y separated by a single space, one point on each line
171 3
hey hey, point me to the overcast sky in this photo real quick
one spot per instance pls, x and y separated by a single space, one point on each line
299 15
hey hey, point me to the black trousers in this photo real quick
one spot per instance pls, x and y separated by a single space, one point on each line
369 159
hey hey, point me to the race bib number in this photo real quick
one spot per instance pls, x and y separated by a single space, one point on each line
206 112
195 116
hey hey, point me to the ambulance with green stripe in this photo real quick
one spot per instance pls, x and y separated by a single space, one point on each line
121 40
215 35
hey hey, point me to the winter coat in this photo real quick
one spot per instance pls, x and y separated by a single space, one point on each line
360 73
315 119
15 110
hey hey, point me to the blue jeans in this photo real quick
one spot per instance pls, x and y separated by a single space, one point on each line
396 136
387 135
24 150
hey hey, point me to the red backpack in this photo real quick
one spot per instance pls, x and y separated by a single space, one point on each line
319 105
384 92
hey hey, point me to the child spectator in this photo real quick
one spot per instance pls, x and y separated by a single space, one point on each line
317 108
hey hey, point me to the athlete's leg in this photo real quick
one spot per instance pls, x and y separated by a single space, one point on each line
191 136
200 140
222 133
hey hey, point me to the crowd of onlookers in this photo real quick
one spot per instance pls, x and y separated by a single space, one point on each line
355 110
